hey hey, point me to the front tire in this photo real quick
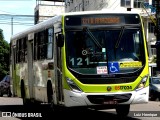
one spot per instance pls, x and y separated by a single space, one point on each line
49 92
122 110
23 96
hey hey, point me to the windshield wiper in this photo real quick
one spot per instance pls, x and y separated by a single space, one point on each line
119 37
92 37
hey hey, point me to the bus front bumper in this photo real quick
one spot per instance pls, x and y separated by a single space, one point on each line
72 99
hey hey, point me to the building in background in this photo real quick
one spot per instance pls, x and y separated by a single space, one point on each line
46 9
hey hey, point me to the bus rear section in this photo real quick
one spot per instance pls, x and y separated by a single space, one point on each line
105 61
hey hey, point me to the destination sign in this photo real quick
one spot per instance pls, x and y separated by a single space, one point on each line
98 20
101 19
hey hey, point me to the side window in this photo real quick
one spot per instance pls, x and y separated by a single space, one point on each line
21 50
50 43
17 52
25 49
43 44
36 46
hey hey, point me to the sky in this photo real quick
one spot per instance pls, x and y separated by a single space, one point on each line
11 11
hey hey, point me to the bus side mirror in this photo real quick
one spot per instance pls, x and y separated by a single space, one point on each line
60 40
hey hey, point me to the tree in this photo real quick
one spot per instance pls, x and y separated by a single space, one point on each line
4 56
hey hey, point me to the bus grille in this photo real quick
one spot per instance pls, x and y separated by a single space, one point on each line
107 80
109 99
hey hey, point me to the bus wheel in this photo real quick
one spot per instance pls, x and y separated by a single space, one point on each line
9 93
122 110
23 91
49 92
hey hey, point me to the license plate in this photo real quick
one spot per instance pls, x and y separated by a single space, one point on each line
110 102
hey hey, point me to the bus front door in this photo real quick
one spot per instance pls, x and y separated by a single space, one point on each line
59 89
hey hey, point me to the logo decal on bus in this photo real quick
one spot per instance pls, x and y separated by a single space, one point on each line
123 87
109 88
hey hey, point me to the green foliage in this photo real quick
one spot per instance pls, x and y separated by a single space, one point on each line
4 56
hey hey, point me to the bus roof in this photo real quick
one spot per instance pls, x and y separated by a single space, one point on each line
45 24
49 22
103 11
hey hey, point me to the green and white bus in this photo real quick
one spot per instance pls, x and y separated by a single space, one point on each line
83 59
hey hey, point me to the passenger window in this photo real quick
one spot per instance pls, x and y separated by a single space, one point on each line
50 43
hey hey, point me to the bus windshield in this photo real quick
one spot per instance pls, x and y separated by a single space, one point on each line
104 44
105 51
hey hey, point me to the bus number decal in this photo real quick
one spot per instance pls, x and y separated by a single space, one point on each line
78 61
87 61
72 61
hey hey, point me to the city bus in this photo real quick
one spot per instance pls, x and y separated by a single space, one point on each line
93 59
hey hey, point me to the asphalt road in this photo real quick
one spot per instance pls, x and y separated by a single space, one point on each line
13 107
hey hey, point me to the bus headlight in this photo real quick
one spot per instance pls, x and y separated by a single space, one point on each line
72 85
141 85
